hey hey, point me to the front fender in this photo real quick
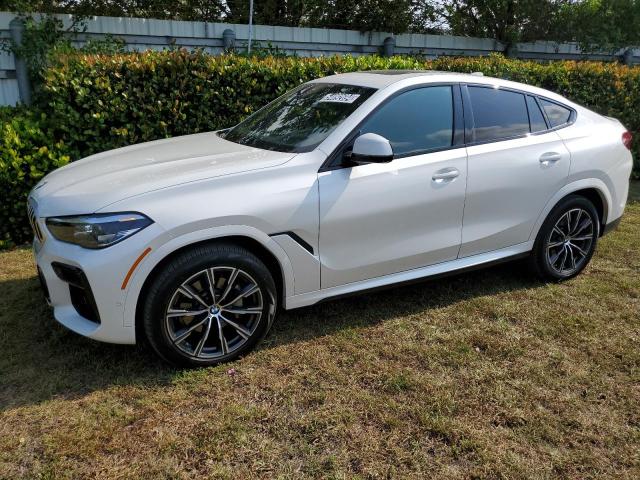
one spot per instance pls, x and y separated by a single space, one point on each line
168 244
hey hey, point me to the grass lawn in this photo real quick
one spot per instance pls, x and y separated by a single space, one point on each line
485 375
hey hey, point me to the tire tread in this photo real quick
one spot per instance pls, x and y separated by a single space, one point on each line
537 259
180 264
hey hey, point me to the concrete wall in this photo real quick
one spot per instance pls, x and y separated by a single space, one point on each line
141 34
8 85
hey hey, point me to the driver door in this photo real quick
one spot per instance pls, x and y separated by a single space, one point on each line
382 218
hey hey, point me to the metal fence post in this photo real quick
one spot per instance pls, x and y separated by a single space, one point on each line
511 51
16 26
228 40
250 26
388 46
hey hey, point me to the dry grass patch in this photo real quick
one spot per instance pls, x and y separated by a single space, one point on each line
486 375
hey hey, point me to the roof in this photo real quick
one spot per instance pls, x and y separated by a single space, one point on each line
384 78
380 79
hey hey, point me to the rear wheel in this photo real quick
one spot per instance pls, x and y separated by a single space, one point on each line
210 304
567 239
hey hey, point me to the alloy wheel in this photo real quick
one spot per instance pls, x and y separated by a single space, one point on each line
214 312
569 243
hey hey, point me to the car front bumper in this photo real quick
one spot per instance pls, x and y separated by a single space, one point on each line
84 287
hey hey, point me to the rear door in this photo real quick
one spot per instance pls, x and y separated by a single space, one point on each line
516 163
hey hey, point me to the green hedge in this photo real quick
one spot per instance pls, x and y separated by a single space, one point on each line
102 102
27 153
91 103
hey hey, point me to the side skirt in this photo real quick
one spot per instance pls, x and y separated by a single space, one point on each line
431 272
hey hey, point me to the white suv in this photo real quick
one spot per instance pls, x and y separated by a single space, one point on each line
346 183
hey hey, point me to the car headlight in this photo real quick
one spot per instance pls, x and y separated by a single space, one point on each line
97 230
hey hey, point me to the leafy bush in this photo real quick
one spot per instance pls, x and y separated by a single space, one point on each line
42 40
102 102
27 153
99 102
105 101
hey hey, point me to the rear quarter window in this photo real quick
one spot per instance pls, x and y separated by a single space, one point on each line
556 114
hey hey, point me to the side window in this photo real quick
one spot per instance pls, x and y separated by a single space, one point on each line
415 121
536 118
498 114
557 114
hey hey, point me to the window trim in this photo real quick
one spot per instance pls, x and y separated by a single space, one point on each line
462 121
534 99
469 119
334 160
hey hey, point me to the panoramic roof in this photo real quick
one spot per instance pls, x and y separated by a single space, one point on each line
382 78
402 72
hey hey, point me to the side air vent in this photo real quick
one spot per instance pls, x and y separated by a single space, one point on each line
296 238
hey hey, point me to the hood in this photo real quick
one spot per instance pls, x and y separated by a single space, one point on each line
100 180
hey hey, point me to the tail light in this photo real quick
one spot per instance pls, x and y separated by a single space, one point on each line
627 138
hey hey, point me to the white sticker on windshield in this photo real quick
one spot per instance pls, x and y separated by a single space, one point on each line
340 97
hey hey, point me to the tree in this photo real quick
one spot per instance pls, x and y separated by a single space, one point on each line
508 21
603 24
427 17
365 15
266 12
202 10
595 24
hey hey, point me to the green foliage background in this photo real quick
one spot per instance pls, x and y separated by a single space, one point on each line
27 152
91 103
595 24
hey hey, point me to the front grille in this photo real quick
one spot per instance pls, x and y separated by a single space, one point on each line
33 220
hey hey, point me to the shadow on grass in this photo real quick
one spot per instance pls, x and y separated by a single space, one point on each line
41 360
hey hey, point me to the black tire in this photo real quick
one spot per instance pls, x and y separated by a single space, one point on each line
163 294
542 262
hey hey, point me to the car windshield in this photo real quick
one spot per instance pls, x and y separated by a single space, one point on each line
301 119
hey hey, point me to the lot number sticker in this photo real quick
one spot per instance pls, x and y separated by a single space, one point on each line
340 97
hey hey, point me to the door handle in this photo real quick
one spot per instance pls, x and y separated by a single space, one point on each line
445 175
549 157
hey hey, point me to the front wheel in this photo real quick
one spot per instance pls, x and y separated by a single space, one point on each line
567 239
209 305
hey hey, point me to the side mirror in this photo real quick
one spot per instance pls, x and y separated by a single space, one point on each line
371 148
